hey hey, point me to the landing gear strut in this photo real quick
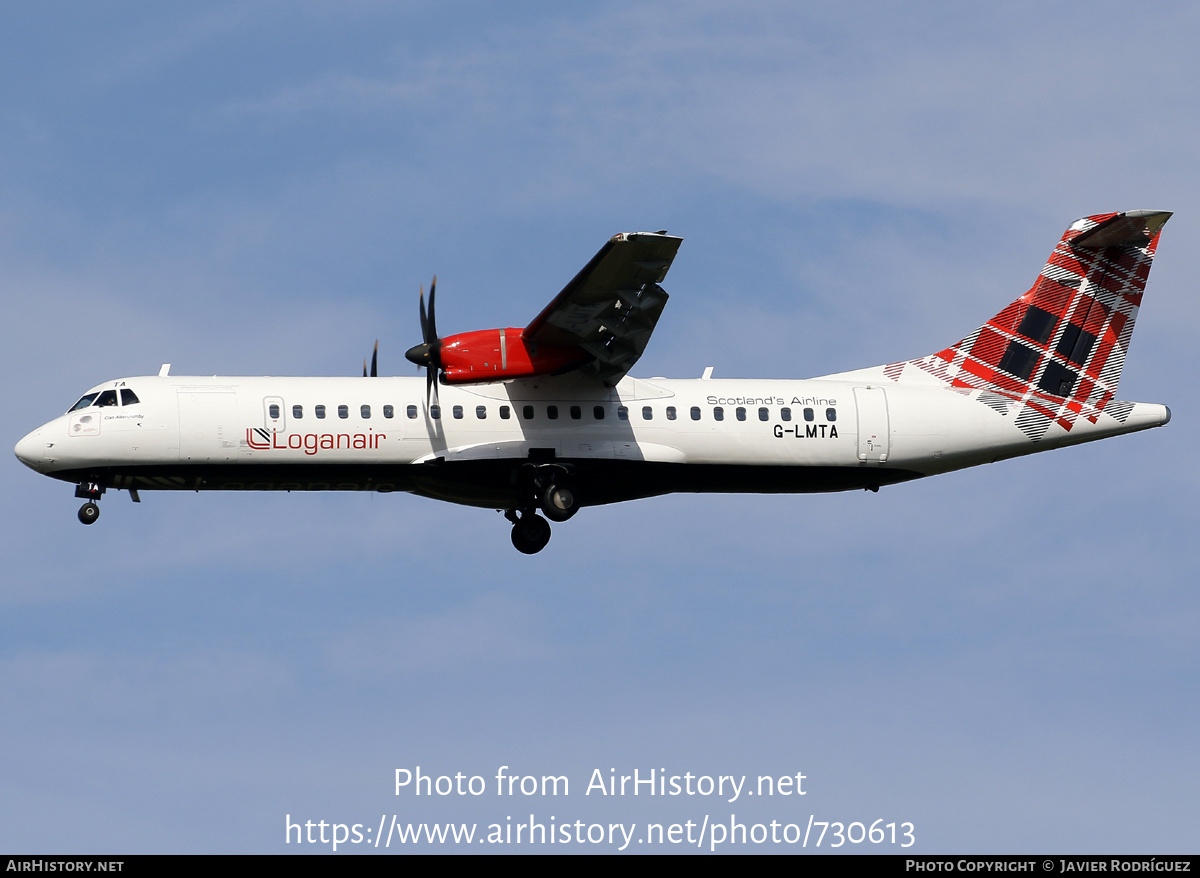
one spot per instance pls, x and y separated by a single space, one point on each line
89 511
530 532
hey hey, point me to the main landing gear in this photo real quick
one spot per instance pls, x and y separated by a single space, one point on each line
89 511
530 532
553 489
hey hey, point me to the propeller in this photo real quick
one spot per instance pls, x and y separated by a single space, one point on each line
374 362
429 352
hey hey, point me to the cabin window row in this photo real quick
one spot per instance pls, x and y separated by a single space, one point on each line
764 413
599 413
552 412
343 411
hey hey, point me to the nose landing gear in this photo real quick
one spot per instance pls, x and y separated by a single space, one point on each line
89 511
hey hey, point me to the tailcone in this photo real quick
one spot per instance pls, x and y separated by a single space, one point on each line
1149 414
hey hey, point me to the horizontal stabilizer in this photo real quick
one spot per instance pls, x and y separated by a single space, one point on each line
1133 228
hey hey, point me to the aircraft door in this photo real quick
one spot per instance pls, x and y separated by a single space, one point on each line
874 430
274 416
208 426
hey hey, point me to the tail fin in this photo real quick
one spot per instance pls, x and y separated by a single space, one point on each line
1059 348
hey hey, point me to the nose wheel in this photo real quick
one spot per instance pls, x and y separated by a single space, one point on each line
91 492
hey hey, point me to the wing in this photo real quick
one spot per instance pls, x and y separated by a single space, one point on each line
611 307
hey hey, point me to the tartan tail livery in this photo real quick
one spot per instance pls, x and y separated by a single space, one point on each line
1057 351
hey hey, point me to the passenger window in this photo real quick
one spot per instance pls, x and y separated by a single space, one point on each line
273 408
831 414
411 411
695 413
785 413
741 413
388 411
647 413
457 412
527 412
763 414
718 414
481 411
83 403
808 414
108 397
598 412
576 413
343 411
505 412
670 413
552 412
365 411
319 411
297 412
622 413
128 397
435 412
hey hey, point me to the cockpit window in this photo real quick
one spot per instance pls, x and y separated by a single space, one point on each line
107 397
83 403
128 397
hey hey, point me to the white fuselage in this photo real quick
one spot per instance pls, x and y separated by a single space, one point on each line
857 430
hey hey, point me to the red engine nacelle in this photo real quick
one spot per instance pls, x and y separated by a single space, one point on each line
501 354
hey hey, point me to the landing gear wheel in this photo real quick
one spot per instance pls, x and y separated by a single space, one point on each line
530 534
88 513
559 501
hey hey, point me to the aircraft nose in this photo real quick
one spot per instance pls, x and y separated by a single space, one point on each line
30 450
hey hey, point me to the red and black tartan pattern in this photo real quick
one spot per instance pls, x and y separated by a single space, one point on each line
1056 353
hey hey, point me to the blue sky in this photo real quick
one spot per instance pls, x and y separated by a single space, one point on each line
1005 657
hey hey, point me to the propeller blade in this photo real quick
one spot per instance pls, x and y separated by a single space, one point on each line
433 336
374 361
424 318
364 367
428 352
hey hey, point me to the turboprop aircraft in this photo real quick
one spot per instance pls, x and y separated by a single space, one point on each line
547 417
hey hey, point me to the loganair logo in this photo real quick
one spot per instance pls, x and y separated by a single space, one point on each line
311 443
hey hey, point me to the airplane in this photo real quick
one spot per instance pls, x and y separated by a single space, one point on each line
547 419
